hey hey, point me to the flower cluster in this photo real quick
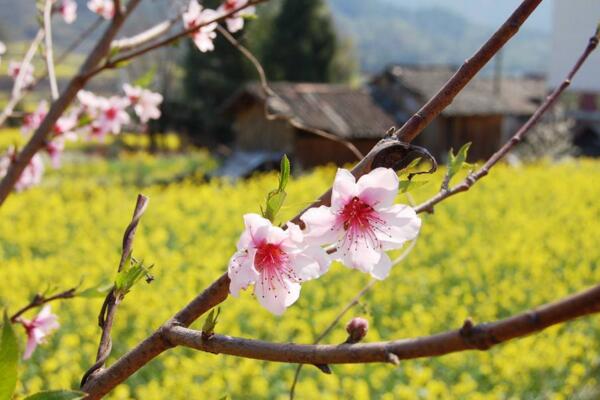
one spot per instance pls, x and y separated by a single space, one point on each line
38 329
204 20
362 223
104 8
68 10
14 70
94 117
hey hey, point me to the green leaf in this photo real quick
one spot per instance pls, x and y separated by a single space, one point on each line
211 321
284 172
95 291
57 395
407 186
131 273
146 79
455 162
276 198
9 360
412 165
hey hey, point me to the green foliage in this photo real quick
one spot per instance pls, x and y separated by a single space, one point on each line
9 360
132 272
57 395
99 291
456 162
276 197
211 321
147 78
303 46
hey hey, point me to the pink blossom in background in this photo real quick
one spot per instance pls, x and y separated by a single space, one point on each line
32 121
14 69
236 21
2 50
66 125
196 16
104 8
89 102
38 329
111 116
363 221
68 10
275 261
55 149
145 103
31 175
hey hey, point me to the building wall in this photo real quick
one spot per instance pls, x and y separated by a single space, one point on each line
312 150
484 133
253 132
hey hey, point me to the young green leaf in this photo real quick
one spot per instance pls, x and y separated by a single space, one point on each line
456 162
132 272
95 291
413 164
407 186
9 360
284 173
57 395
276 198
211 321
146 79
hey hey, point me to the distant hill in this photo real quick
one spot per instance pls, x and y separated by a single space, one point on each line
383 31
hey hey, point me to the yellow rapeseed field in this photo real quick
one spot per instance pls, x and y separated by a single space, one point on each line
521 237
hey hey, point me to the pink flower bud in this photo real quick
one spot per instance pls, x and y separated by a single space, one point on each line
357 329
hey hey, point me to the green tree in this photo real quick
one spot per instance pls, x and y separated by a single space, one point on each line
303 45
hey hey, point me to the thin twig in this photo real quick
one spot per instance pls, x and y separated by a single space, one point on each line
49 49
355 300
516 138
40 299
112 300
144 37
270 93
469 337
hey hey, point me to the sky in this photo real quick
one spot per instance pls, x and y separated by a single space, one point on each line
487 12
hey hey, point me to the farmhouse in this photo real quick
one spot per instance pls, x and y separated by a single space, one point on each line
349 114
485 113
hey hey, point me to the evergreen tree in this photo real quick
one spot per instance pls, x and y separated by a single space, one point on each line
303 46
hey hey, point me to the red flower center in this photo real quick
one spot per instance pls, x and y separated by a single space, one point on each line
111 113
269 257
357 214
361 223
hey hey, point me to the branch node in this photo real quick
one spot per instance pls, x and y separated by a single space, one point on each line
392 359
324 368
477 336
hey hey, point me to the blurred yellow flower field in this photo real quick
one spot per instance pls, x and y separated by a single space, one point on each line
521 237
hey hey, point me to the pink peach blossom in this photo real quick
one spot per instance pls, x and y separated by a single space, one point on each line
14 69
31 175
104 8
363 221
275 261
145 103
196 16
236 21
68 10
111 116
38 329
32 121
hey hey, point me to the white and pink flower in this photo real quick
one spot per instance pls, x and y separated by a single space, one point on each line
14 69
363 221
2 50
145 103
68 10
111 116
33 120
31 175
275 261
196 16
236 21
104 8
90 103
38 329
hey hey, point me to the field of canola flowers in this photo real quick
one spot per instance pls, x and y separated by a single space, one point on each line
521 237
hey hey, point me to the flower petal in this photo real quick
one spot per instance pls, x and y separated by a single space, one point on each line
359 254
379 187
344 189
241 272
321 226
311 263
276 294
256 231
403 225
29 347
382 269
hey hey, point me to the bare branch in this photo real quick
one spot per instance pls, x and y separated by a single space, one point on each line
466 72
469 337
144 37
112 300
40 299
50 49
270 93
516 138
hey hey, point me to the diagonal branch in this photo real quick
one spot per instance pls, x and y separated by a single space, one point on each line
40 299
50 49
469 337
472 178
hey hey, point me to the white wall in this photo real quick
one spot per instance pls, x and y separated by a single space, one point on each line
574 21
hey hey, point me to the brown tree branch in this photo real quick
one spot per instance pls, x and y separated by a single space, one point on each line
38 139
472 178
466 72
112 300
40 299
469 337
